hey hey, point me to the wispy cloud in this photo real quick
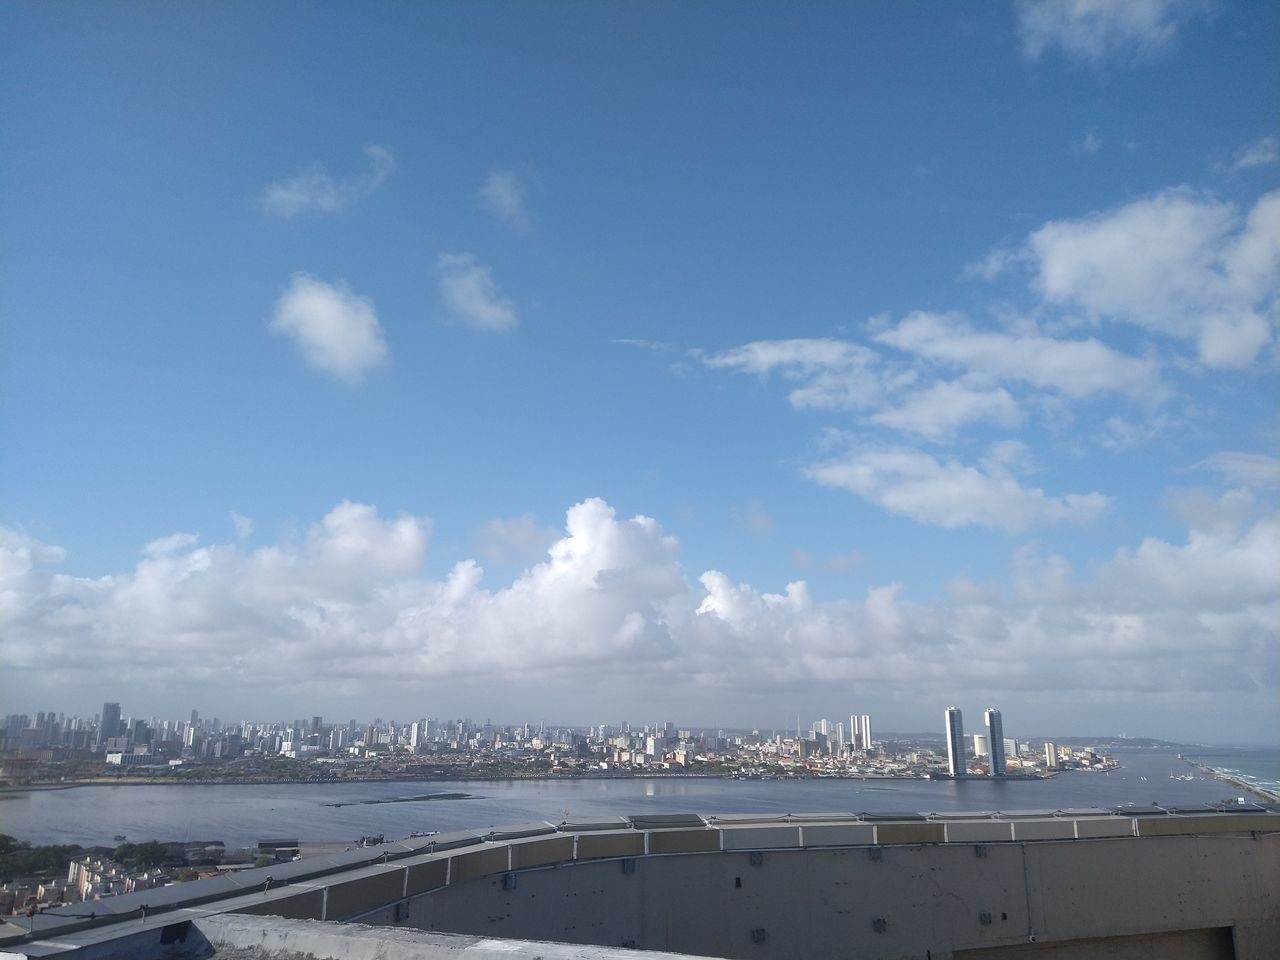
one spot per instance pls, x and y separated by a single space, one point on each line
243 525
938 412
336 330
1089 144
1094 30
952 494
1261 153
472 297
1075 368
314 189
1247 469
658 346
832 374
503 195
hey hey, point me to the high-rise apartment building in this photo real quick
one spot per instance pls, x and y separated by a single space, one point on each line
110 725
955 742
1051 756
995 734
864 724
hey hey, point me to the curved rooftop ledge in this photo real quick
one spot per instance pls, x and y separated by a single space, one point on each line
362 882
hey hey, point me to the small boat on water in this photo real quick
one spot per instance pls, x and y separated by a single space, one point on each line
119 838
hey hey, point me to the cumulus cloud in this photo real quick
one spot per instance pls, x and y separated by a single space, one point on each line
1094 30
336 330
348 606
1176 263
952 494
470 294
314 189
503 196
1076 368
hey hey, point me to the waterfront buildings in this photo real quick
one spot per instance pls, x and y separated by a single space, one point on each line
110 725
995 735
1051 756
956 765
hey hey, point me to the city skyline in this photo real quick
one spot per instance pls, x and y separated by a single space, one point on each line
857 736
719 362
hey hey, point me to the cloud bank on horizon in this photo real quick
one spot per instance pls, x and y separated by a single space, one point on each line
347 606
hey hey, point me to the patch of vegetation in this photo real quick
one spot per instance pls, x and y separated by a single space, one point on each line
144 856
18 858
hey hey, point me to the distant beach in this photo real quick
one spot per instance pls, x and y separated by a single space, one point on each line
1255 771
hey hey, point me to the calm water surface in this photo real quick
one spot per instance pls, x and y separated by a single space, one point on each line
241 815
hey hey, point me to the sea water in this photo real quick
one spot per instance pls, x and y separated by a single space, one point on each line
241 814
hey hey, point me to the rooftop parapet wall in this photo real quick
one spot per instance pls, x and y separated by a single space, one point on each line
361 882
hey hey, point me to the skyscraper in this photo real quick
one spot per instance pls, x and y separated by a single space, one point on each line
865 725
1051 756
955 742
110 726
995 734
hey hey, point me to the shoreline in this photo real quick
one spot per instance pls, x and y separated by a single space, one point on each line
13 791
286 781
1269 796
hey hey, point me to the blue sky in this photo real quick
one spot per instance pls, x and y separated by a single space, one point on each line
344 344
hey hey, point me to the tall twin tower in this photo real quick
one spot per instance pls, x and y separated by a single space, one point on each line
956 764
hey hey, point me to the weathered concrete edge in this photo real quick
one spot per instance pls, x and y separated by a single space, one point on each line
323 940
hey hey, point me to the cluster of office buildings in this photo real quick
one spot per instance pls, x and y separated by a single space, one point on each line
87 747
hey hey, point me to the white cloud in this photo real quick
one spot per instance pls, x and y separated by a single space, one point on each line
472 297
1176 263
940 411
1076 368
503 196
1119 433
174 543
1264 152
1093 30
348 608
336 330
833 374
953 494
515 540
315 190
1247 469
1221 567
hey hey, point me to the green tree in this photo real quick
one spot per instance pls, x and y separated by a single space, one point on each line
150 854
